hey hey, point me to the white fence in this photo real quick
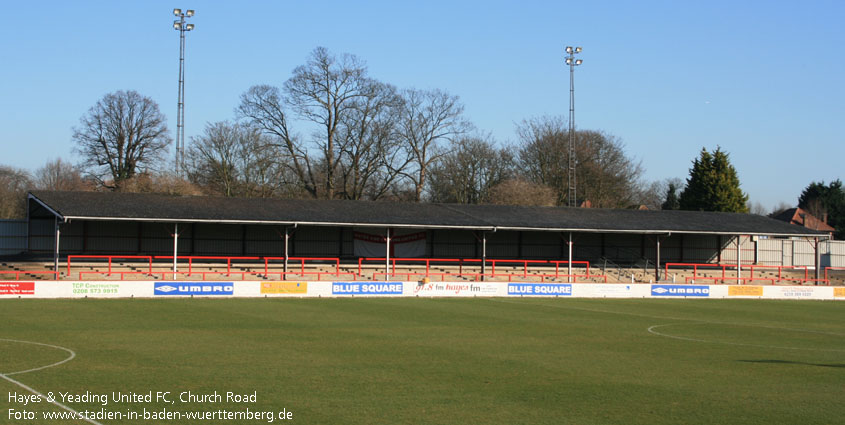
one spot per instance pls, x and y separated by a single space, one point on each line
798 252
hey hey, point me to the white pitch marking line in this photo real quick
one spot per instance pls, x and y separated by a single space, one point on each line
624 313
72 355
691 321
683 338
32 390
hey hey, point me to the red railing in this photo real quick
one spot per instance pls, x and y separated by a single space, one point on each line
110 273
827 270
191 259
751 268
477 262
427 261
18 273
301 263
740 280
302 272
110 258
780 270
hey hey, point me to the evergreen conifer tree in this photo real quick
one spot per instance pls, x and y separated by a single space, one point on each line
713 185
671 202
819 200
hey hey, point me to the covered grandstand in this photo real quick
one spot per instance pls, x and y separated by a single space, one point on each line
184 227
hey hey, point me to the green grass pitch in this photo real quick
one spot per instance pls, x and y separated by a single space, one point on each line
437 361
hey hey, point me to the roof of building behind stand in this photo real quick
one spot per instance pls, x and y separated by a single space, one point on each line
800 217
193 209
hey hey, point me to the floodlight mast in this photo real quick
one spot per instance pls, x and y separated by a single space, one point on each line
572 62
179 25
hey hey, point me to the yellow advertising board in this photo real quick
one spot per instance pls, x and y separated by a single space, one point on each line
839 292
284 287
745 291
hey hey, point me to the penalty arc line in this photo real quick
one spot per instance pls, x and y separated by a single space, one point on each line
72 356
652 330
34 391
691 321
624 313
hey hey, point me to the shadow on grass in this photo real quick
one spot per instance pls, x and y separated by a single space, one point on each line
793 363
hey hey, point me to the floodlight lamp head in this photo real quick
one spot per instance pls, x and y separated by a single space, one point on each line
568 61
177 12
568 49
190 13
578 50
177 25
189 27
578 62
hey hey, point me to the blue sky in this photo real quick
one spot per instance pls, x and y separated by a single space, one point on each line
765 80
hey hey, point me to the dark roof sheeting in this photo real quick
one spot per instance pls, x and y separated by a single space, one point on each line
786 215
170 208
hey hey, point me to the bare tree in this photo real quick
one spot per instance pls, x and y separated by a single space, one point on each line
371 159
604 174
211 157
779 208
609 178
264 107
261 172
234 160
122 133
161 182
428 120
517 191
469 171
757 208
657 195
544 154
653 194
61 175
369 142
327 91
324 91
14 184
